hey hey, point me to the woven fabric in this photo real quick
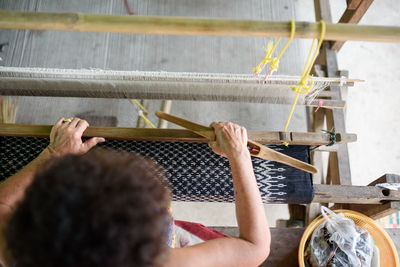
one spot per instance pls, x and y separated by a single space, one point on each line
193 170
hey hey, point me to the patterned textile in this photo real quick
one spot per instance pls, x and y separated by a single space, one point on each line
193 170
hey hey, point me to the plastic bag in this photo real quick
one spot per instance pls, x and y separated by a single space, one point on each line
339 242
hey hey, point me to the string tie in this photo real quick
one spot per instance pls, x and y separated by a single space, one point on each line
267 59
268 53
304 86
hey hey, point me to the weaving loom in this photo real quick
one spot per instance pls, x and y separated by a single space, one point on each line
196 67
193 170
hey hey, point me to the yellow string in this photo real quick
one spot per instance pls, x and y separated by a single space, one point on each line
142 113
268 52
135 102
303 87
147 121
275 61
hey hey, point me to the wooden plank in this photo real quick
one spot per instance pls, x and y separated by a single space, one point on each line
353 194
385 208
171 135
284 248
190 26
352 15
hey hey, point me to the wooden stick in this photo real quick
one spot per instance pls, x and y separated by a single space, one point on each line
190 26
256 149
174 135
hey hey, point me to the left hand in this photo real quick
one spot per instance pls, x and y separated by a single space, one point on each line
66 138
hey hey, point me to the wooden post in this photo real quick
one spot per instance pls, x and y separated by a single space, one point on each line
190 26
339 165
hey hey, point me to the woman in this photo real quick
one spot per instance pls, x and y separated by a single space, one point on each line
73 208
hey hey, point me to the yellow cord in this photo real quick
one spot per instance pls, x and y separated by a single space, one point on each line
275 61
267 59
147 121
142 111
270 49
135 102
303 87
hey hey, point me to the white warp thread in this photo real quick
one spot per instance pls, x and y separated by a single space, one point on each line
212 86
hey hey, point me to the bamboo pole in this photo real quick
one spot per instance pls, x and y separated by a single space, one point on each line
190 26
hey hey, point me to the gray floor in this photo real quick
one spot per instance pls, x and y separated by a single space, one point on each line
372 109
152 52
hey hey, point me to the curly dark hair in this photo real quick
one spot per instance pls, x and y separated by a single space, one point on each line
103 208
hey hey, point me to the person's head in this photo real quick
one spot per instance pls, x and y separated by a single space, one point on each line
102 208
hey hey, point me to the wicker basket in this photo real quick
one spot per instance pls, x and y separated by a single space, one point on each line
387 250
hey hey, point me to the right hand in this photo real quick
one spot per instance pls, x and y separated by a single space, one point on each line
231 139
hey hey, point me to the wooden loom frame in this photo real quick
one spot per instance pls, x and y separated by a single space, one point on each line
224 27
323 193
377 202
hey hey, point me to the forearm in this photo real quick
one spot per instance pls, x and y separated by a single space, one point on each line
12 189
250 213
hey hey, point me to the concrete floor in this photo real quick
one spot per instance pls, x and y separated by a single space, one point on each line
372 107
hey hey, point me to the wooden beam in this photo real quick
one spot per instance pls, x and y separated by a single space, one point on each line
339 164
385 208
353 14
353 194
190 26
353 4
175 135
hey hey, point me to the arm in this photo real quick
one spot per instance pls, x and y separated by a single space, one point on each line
251 248
65 138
